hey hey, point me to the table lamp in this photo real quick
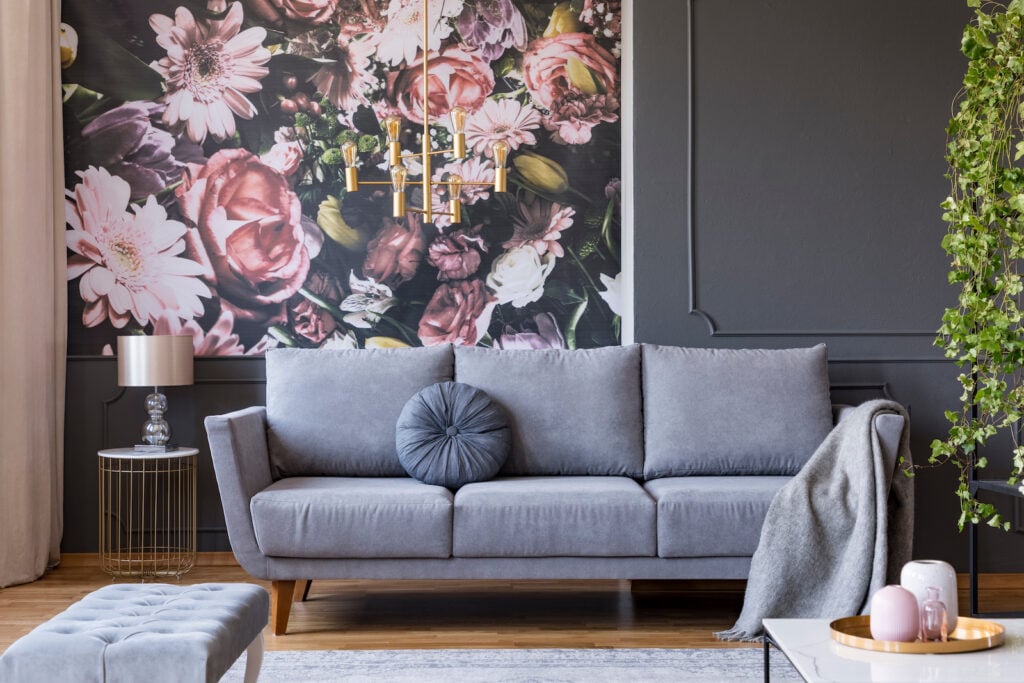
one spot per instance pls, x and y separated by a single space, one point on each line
154 361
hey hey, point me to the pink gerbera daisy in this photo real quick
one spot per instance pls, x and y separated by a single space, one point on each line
539 224
506 120
472 170
346 81
130 263
208 69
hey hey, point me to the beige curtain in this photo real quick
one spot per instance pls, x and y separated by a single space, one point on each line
33 317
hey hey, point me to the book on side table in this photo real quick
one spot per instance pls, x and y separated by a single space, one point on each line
152 448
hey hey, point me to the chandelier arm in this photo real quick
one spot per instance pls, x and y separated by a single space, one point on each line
399 173
414 209
427 174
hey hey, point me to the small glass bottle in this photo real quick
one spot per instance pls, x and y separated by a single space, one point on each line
933 618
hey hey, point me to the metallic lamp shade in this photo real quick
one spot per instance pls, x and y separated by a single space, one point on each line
154 361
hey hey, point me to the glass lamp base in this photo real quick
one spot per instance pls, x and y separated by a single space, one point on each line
156 431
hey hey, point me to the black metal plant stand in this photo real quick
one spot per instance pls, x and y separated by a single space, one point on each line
992 486
998 487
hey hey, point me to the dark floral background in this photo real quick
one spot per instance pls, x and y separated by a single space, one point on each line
205 183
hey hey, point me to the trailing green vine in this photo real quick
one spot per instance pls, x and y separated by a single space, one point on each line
984 332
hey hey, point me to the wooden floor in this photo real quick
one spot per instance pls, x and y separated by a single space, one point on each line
461 614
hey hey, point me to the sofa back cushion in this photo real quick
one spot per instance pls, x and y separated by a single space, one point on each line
333 413
733 412
571 412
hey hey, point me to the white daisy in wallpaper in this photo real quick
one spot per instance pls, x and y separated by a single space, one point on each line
403 36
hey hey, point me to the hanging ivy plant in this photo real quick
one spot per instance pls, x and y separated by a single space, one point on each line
984 332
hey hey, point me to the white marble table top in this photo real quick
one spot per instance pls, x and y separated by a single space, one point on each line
809 646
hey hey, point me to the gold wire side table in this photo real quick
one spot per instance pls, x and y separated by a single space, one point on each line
147 512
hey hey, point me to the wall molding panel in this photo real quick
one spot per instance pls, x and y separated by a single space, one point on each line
714 329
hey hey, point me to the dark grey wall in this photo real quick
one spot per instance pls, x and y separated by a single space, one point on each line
798 204
787 191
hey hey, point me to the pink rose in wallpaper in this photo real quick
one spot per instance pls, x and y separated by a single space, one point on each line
284 157
576 79
311 11
307 318
459 313
458 78
249 221
393 256
206 188
457 255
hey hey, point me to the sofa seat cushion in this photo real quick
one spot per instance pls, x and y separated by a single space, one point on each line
333 413
711 516
554 517
571 412
733 411
342 517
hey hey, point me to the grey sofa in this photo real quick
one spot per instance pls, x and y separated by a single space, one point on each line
634 462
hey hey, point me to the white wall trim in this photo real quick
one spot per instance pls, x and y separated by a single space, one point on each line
626 217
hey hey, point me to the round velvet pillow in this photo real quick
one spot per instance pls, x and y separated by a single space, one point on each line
451 434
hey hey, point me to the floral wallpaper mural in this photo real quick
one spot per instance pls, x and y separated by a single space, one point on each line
205 181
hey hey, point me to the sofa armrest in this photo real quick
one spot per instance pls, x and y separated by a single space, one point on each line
889 427
241 461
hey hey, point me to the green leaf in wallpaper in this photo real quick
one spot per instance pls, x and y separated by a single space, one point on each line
99 56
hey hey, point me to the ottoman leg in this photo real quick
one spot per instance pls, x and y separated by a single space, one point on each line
254 659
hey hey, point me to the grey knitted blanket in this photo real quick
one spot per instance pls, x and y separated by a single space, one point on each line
832 535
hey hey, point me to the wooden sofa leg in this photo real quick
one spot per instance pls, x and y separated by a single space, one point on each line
302 590
281 605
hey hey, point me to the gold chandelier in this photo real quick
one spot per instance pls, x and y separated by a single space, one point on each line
399 172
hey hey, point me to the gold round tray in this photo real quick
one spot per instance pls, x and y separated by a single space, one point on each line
970 635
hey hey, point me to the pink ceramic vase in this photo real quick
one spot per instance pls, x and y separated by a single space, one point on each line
894 615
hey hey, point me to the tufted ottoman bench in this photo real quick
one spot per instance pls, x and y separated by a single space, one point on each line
151 633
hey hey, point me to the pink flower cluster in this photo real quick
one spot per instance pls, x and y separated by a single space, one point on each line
216 205
577 80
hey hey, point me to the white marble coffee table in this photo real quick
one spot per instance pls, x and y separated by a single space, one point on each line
810 648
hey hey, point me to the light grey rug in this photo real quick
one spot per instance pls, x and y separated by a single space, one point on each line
517 666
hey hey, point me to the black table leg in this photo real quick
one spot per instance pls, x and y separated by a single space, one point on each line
973 569
767 660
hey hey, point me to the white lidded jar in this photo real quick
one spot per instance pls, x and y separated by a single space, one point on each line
918 575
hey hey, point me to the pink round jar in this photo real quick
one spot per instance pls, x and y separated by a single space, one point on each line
894 615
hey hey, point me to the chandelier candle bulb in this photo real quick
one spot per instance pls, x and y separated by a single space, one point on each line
393 128
454 194
500 151
349 152
399 174
458 117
